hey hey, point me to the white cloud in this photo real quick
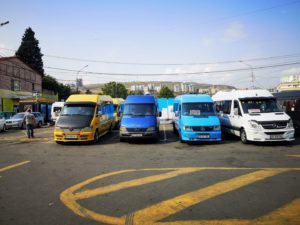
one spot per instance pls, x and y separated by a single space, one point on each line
234 32
291 71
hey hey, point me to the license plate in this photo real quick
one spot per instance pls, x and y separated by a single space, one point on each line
204 136
276 136
137 135
71 136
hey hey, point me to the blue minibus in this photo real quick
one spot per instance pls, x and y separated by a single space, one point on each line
139 118
195 119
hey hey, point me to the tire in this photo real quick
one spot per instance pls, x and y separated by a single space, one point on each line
122 139
4 128
59 142
96 137
243 136
23 127
39 123
180 138
174 129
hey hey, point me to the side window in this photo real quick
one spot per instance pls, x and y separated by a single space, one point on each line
227 107
218 106
99 109
237 108
175 107
179 109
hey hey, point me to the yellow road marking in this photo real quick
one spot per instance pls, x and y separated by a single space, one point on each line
152 214
132 183
13 166
297 156
169 207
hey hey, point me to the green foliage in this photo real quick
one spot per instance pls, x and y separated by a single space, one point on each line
115 90
51 84
88 92
29 51
165 92
139 92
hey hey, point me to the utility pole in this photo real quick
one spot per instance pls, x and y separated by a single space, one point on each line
77 76
2 24
252 74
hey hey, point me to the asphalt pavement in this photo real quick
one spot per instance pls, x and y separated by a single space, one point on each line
140 183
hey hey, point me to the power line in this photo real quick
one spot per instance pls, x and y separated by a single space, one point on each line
169 64
174 74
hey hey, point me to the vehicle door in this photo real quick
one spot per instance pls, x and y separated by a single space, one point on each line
236 117
225 116
99 120
177 117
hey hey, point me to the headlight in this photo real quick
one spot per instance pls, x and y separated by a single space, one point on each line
123 129
151 129
290 124
188 128
85 129
217 127
57 129
254 125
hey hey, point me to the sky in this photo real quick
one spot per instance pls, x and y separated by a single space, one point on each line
200 34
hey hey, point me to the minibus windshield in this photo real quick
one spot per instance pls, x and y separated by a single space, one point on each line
264 105
139 110
198 109
80 110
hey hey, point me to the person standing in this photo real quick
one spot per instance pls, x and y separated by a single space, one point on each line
30 122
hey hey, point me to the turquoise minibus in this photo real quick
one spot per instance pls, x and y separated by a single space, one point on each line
195 119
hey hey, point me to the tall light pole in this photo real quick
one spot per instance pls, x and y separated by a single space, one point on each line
78 74
252 74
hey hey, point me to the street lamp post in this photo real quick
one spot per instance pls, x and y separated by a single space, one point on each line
252 74
78 74
2 24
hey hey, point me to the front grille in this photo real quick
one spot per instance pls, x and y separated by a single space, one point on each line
274 125
71 129
274 133
136 129
203 128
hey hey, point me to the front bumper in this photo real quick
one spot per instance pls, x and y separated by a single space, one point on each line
201 136
73 136
271 135
13 125
138 135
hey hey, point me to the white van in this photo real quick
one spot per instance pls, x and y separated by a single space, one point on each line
56 109
253 115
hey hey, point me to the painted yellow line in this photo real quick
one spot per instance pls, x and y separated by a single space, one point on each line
152 214
133 183
13 166
169 207
297 156
286 215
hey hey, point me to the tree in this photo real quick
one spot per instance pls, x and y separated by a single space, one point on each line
30 53
165 92
51 84
115 90
138 92
88 91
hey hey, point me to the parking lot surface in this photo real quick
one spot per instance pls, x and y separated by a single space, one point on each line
165 183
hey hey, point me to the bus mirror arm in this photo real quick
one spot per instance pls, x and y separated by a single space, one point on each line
159 114
176 114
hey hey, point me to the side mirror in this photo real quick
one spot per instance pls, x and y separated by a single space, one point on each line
120 114
159 114
176 114
236 111
99 113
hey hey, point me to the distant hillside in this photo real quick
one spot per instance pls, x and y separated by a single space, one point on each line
96 88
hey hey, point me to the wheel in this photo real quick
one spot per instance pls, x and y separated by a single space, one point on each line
4 128
243 136
180 138
59 142
96 137
23 127
174 129
122 139
40 124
